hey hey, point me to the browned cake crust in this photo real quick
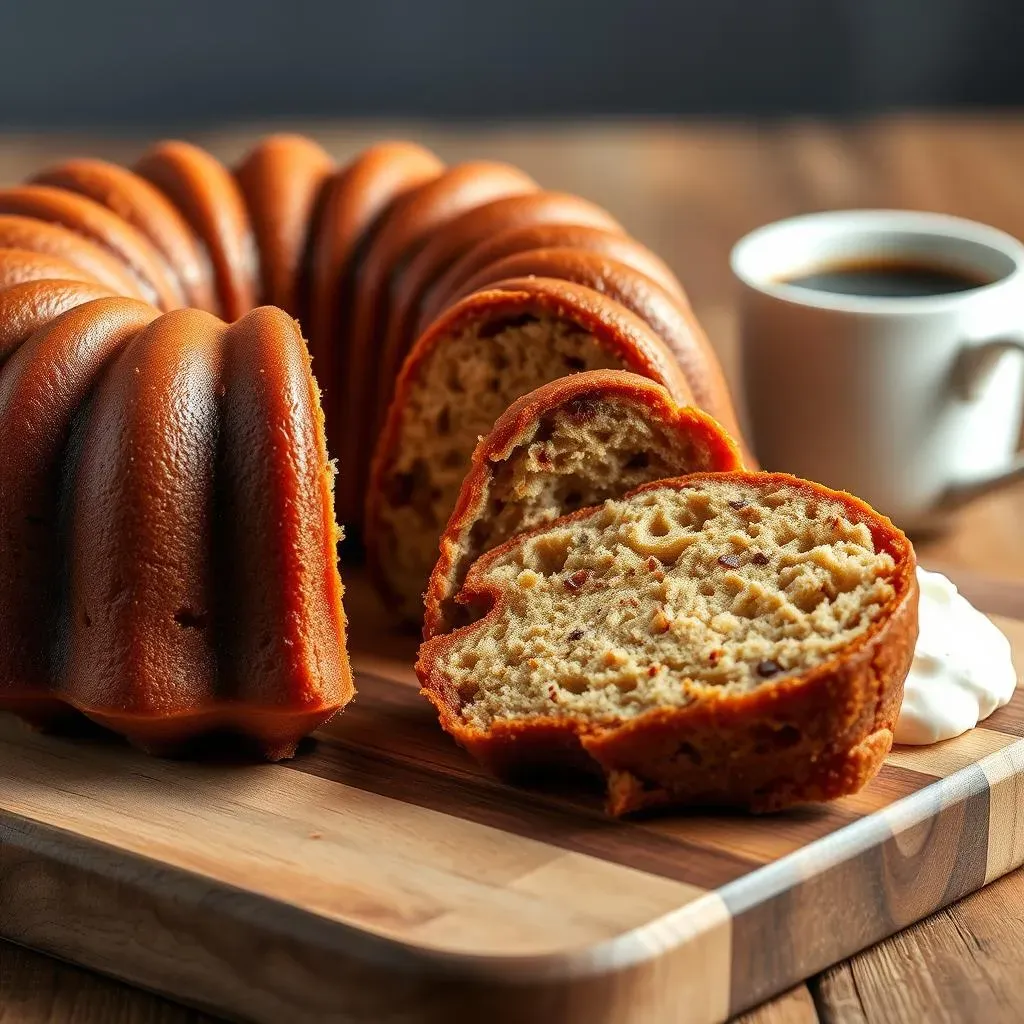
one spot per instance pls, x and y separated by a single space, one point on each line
450 241
701 444
39 236
95 222
403 230
813 735
353 202
148 210
208 197
606 241
668 315
281 179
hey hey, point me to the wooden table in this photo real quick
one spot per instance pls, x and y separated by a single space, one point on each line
689 192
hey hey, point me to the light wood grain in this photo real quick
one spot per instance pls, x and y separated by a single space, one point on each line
794 1007
1006 811
383 866
950 756
962 965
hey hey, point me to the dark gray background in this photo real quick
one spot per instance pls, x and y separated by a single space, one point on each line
71 63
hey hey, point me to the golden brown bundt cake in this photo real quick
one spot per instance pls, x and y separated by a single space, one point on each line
281 180
168 563
20 265
450 241
207 439
146 209
52 240
588 238
353 204
209 199
27 307
403 231
92 253
570 444
477 358
43 387
732 638
90 220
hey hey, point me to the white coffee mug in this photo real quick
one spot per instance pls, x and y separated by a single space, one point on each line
912 403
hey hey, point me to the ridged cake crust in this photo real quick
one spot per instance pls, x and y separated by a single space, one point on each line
249 637
149 211
53 240
20 265
281 180
585 237
27 307
98 224
450 241
403 230
209 198
668 316
355 201
814 734
42 388
167 565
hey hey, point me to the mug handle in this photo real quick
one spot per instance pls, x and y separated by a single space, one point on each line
976 363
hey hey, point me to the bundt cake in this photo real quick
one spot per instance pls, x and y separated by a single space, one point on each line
168 563
570 444
165 423
146 209
729 638
352 205
482 354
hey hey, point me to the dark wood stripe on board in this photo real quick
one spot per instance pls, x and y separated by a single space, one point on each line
766 838
413 761
388 742
854 888
1009 719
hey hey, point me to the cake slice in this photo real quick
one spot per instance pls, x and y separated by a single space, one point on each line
734 639
570 444
486 351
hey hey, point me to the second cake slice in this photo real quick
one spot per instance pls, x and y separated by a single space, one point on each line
570 444
733 638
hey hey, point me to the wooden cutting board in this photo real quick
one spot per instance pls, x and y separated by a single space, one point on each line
381 877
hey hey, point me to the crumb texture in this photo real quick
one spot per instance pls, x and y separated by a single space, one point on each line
469 380
582 452
667 597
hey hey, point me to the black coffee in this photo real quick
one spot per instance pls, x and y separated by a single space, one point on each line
887 278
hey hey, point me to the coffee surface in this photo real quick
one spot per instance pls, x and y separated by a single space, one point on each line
886 279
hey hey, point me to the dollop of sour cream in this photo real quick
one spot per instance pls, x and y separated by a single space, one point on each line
962 668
